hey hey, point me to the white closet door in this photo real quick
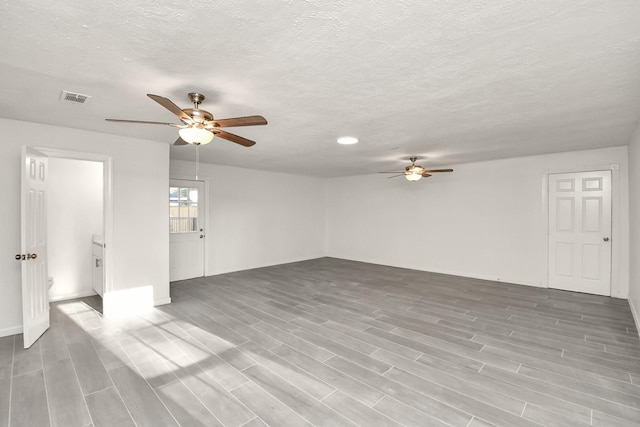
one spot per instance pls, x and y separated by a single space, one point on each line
580 232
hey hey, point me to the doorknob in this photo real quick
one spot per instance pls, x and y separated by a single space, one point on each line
20 257
606 239
202 236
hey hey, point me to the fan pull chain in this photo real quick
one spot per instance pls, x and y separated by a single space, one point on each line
197 160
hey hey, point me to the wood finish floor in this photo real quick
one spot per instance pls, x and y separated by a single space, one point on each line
330 342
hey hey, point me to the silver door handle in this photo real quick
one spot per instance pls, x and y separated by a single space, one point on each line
22 257
606 239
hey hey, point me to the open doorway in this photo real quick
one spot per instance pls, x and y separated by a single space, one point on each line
78 224
34 201
75 223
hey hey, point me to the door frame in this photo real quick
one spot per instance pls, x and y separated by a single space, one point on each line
619 226
107 200
207 201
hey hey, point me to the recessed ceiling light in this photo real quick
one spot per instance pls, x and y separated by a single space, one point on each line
347 140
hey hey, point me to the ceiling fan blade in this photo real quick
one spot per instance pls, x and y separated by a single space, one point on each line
426 175
438 170
180 141
169 105
391 172
233 138
144 122
395 176
240 121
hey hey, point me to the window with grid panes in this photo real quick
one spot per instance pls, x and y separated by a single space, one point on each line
183 209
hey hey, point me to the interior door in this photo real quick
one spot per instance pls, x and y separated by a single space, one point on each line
580 232
35 292
186 229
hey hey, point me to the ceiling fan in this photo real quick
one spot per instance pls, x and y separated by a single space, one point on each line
198 127
416 172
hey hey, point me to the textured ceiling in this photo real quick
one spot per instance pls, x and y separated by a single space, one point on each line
450 82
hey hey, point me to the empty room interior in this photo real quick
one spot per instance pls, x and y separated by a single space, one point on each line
280 213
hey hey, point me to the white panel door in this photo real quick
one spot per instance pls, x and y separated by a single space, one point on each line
186 229
35 291
580 232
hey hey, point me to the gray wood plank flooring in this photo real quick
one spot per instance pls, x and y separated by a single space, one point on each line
330 342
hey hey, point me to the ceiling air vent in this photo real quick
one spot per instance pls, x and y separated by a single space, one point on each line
74 98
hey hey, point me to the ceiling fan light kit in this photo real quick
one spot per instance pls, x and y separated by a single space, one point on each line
415 173
413 177
196 135
347 140
197 126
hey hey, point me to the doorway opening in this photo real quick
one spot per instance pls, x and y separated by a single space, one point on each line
75 223
34 201
79 224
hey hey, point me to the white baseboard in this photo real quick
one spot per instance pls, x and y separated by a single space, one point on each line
5 332
162 301
73 296
507 280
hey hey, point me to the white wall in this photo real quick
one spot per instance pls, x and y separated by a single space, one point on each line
140 245
74 215
258 218
485 220
634 219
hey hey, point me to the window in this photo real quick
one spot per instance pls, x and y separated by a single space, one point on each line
183 209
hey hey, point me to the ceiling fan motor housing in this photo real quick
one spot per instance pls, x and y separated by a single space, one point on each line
198 115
